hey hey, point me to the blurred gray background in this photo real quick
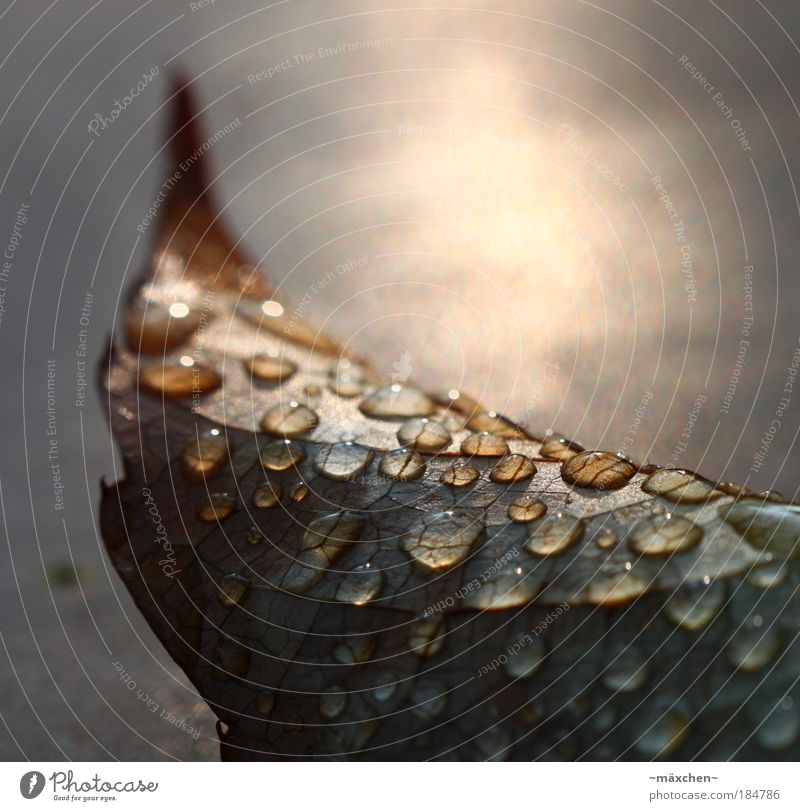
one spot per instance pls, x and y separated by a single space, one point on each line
585 214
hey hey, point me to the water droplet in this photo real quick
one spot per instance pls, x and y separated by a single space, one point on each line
254 536
769 576
360 585
218 507
385 687
233 659
175 380
555 446
780 728
290 420
679 486
500 586
346 379
492 423
627 671
332 534
272 316
267 496
402 465
693 607
751 648
484 445
527 660
282 454
426 637
526 509
494 745
396 402
512 468
233 588
606 540
332 703
204 456
765 525
355 650
423 435
299 492
150 328
664 535
554 535
265 702
459 475
615 583
429 698
342 461
597 470
272 370
663 736
441 540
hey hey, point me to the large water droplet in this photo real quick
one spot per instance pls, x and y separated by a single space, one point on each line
502 585
342 461
267 496
270 369
360 585
554 535
282 454
333 533
441 540
765 525
426 637
332 703
512 468
396 402
484 445
402 465
693 607
423 435
493 423
679 486
178 381
218 507
152 328
204 456
597 470
459 475
526 508
289 420
233 588
664 535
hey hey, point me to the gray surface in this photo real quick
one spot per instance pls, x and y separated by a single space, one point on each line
479 299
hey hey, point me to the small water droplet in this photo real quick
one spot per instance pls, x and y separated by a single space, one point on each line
332 703
151 328
459 475
484 444
429 699
402 464
289 420
342 460
664 535
661 738
780 728
627 671
218 507
554 535
385 687
360 585
355 650
333 533
765 525
679 486
267 496
441 540
770 576
346 379
597 470
282 454
512 468
423 435
177 381
233 660
693 607
526 508
269 369
204 456
527 660
751 648
299 492
558 447
426 637
233 588
396 402
265 702
605 540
